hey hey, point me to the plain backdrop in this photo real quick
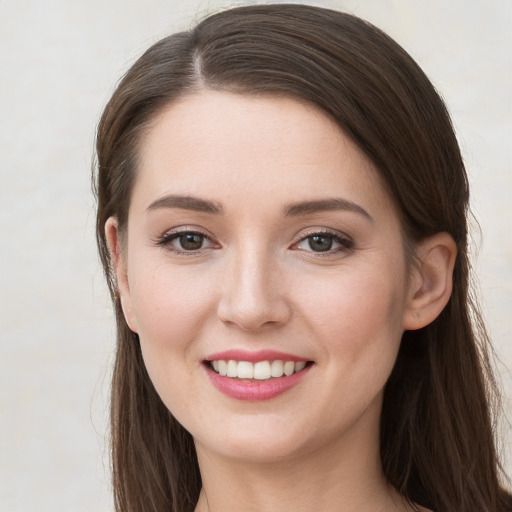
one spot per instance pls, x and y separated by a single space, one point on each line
60 60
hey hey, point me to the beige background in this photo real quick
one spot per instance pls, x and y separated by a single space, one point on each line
59 62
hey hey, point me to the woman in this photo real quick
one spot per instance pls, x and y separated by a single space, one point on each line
282 221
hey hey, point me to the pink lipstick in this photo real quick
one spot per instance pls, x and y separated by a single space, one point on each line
254 357
255 376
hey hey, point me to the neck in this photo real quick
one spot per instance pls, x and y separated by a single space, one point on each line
344 477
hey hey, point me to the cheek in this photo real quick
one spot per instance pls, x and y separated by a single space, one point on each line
172 305
358 315
169 303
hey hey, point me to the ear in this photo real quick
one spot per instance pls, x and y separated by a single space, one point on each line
118 258
430 284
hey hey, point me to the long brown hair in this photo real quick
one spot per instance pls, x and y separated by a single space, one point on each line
437 441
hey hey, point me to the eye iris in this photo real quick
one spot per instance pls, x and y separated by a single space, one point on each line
320 243
191 241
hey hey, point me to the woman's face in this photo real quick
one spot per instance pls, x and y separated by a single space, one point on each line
258 233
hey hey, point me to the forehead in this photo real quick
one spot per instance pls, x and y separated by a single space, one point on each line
223 145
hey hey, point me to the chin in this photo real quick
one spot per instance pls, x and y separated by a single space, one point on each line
257 450
258 443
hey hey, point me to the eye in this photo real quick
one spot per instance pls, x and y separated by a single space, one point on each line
185 241
324 242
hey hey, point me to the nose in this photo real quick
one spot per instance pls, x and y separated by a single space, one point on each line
254 295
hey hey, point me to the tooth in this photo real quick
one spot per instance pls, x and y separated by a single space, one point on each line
232 368
300 366
245 370
223 367
276 369
262 370
289 368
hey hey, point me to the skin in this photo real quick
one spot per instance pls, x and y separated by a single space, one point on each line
257 283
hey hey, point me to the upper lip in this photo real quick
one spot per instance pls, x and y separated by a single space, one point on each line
254 356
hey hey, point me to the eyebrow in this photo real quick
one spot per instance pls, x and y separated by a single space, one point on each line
186 203
290 210
324 205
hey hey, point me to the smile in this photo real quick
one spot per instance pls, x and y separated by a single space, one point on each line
251 376
262 370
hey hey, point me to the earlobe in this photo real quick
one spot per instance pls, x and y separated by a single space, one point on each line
430 285
118 258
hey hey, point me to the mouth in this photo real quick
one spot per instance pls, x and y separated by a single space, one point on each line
250 376
259 371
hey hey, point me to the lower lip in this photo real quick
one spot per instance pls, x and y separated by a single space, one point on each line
255 390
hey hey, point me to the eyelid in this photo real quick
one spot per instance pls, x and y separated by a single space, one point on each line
165 239
345 241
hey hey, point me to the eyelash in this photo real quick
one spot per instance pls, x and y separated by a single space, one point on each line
345 243
169 237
